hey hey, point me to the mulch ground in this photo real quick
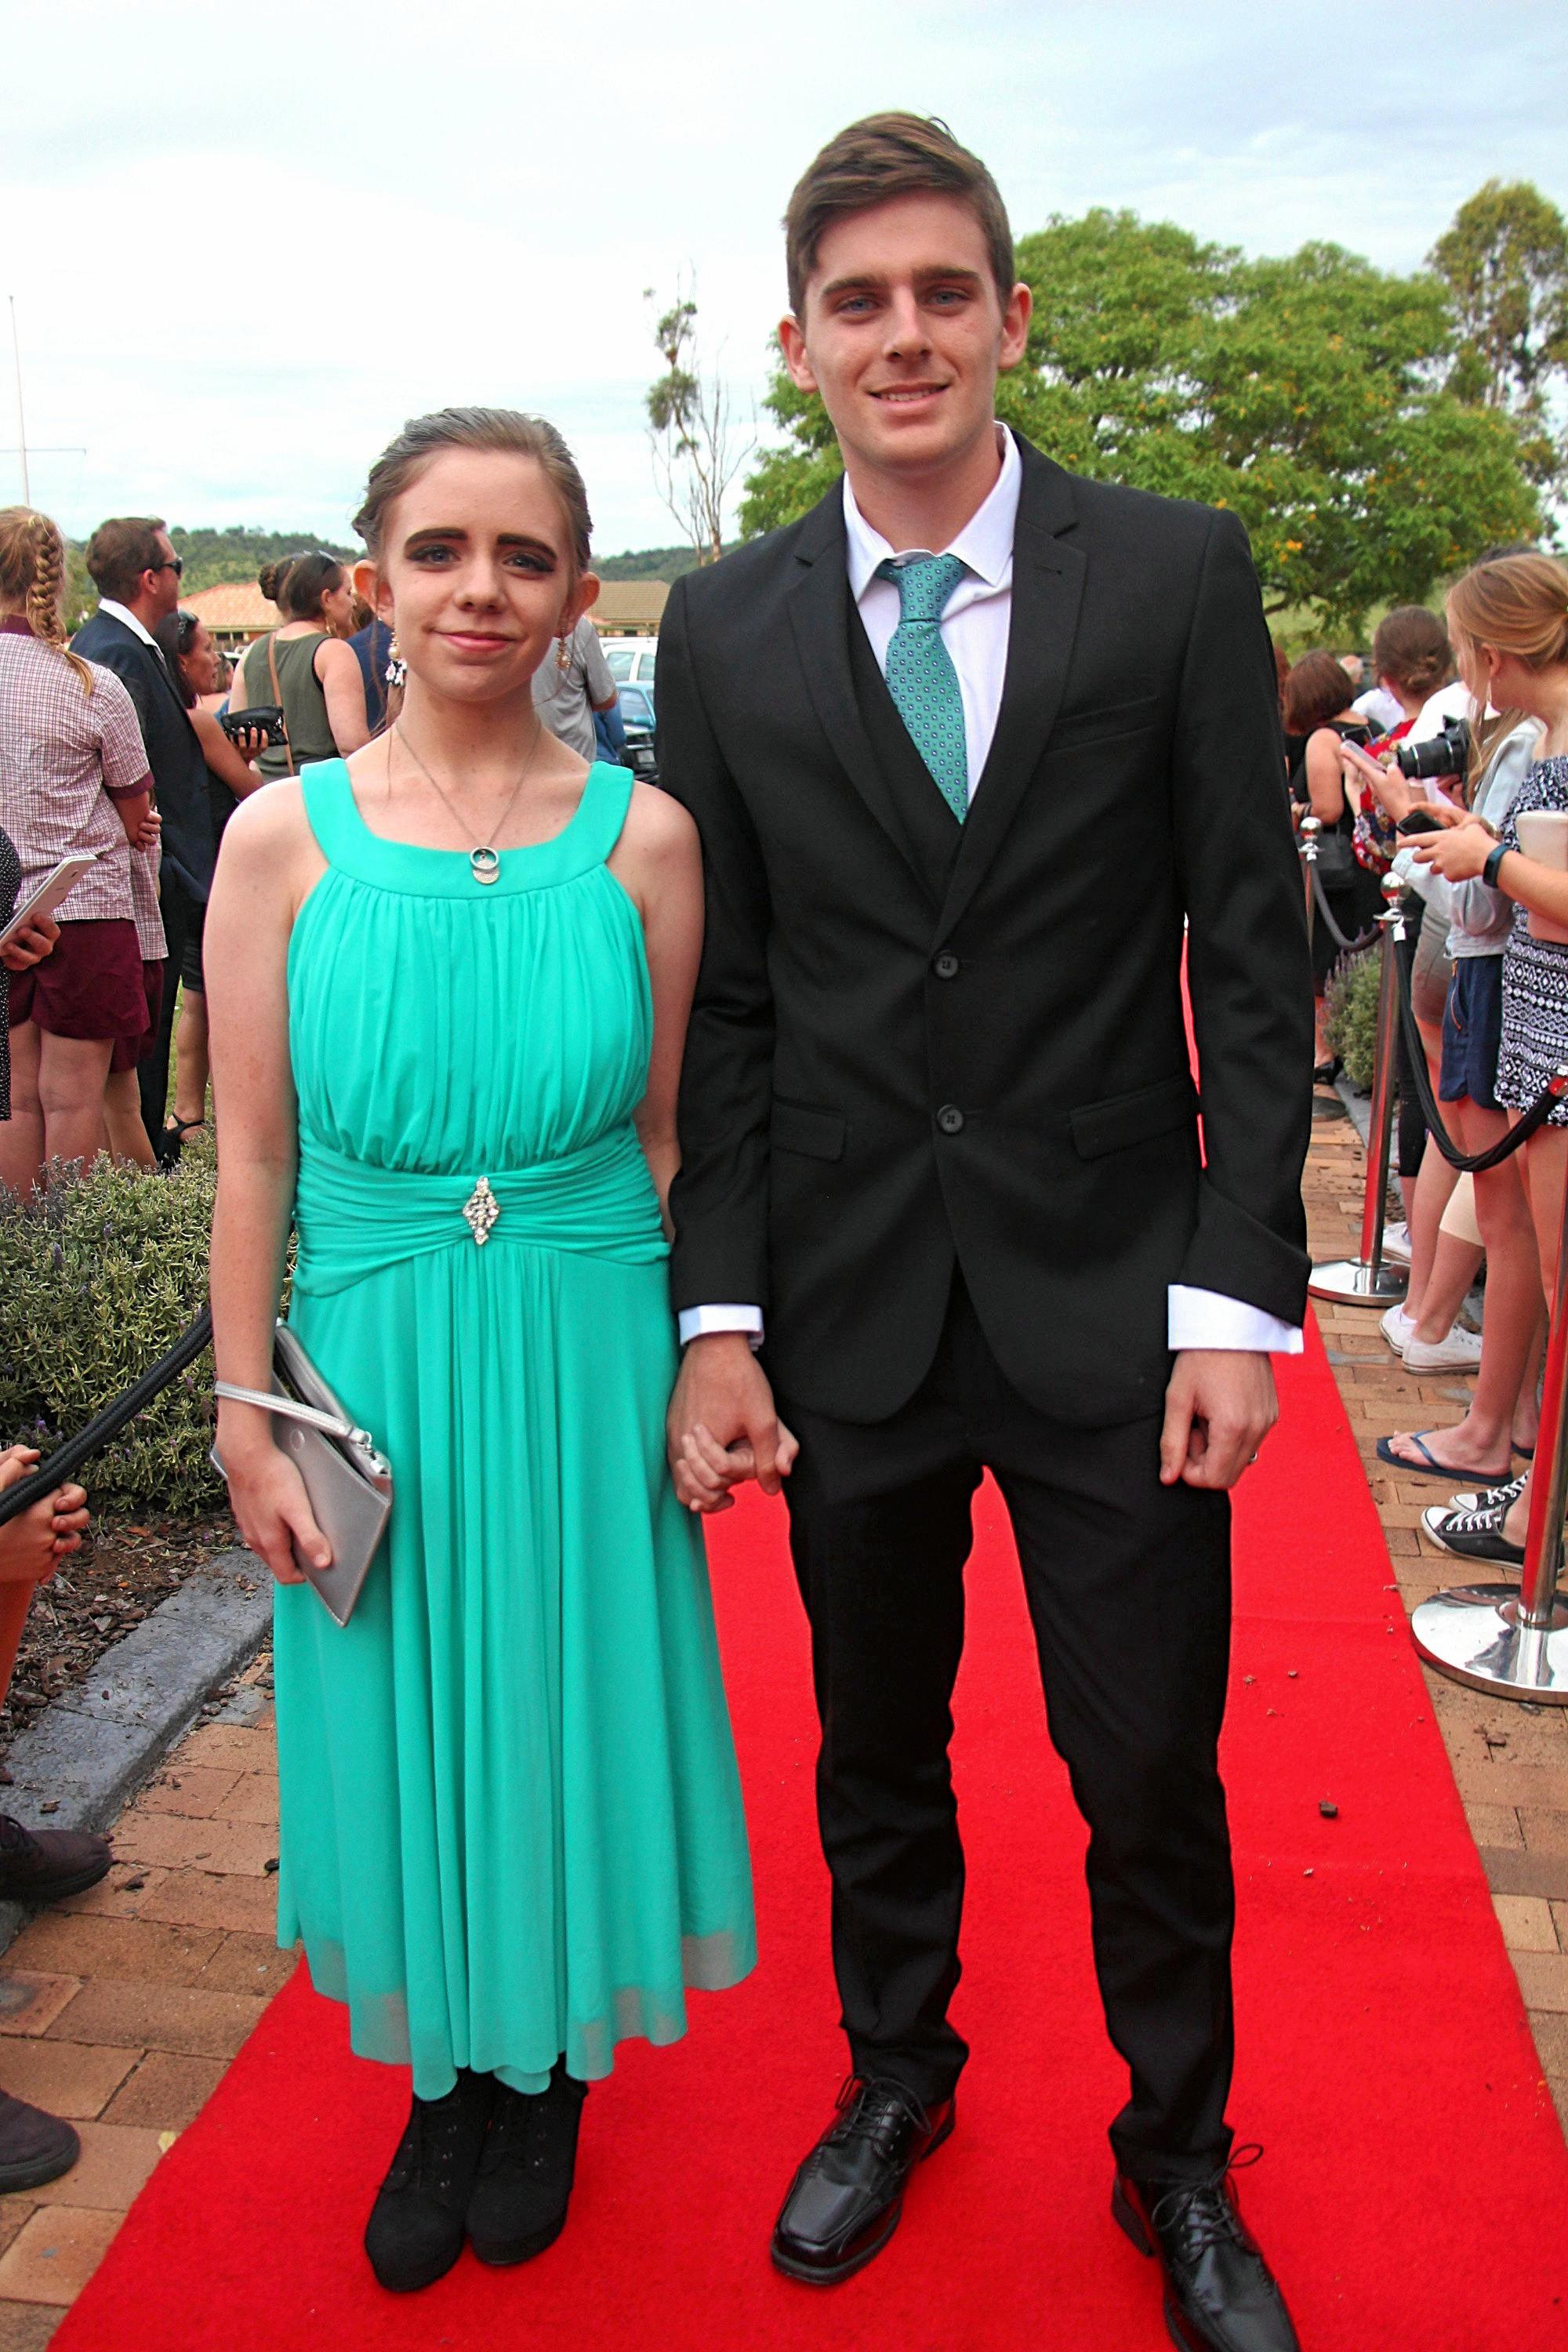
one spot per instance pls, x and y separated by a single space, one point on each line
124 1568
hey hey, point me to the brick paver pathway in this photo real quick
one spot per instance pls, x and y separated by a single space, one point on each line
122 2009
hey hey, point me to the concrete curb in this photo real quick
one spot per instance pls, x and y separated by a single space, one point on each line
101 1741
1358 1107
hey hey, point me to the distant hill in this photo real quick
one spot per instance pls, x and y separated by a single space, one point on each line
648 564
236 554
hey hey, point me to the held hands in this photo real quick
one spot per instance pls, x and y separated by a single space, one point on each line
33 1545
267 1495
148 829
721 1427
1220 1408
1460 853
32 943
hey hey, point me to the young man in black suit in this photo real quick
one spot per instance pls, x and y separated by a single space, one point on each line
968 746
133 565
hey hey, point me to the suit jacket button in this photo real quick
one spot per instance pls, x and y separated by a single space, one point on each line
946 965
950 1119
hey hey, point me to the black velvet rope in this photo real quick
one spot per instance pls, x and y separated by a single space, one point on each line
1347 947
67 1460
1468 1163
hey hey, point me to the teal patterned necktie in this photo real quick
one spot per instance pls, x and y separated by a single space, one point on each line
920 676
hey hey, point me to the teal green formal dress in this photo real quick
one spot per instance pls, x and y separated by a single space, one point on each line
511 1822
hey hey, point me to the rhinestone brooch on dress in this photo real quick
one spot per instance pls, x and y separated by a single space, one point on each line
481 1209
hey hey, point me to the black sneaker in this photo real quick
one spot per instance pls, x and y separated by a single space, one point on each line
1474 1535
1486 1498
524 2186
42 1865
415 2232
34 2148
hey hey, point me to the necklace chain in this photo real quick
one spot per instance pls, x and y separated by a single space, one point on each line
484 857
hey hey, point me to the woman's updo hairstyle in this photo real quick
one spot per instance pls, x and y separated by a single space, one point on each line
1517 604
296 583
32 576
1411 647
509 432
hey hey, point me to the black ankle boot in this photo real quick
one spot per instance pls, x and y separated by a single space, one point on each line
520 2199
415 2232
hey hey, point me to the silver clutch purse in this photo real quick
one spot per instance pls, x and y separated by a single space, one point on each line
348 1482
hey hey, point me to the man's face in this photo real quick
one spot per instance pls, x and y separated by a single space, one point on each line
904 333
161 587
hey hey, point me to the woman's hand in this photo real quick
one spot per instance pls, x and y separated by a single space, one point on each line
32 943
706 1471
271 1507
33 1544
142 831
1389 788
1459 852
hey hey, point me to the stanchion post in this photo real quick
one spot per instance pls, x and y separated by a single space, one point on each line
1366 1281
1312 826
1498 1637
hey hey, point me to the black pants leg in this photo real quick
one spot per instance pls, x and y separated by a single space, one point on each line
180 915
1128 1584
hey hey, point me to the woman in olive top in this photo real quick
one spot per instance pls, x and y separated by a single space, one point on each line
318 679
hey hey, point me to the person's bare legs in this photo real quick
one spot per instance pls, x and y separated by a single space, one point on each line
1477 1444
1428 1196
122 1118
191 1065
22 1135
1450 1279
72 1072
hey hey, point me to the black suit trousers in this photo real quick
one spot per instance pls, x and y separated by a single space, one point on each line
182 913
1129 1591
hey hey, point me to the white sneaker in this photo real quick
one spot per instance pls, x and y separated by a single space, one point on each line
1396 1243
1459 1353
1398 1329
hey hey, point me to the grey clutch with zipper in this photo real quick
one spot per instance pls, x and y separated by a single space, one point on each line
348 1482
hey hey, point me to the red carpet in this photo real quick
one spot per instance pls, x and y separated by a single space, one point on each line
1414 2193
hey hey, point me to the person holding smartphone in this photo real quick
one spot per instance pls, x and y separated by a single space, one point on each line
73 780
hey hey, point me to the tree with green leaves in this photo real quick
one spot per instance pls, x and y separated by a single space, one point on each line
1307 393
695 455
1505 262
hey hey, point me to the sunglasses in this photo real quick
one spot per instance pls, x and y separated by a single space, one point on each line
175 563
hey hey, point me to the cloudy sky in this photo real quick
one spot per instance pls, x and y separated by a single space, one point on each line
245 243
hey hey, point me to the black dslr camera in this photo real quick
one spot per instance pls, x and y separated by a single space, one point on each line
1448 754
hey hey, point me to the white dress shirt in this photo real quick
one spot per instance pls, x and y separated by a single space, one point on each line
124 613
974 625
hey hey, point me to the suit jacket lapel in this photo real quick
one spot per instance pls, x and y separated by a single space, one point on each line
819 615
1047 588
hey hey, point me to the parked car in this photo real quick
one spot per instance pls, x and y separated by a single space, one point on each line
635 704
632 660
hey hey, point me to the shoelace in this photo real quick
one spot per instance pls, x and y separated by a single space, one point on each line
520 2131
869 2110
1204 2207
425 2154
1487 1520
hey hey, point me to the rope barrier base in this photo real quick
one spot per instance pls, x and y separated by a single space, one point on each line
1474 1635
1350 1282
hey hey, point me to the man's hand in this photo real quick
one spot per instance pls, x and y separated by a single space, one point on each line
721 1427
1220 1408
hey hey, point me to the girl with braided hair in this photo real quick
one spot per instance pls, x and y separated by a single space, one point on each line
73 779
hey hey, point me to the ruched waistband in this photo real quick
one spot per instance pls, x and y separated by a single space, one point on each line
353 1218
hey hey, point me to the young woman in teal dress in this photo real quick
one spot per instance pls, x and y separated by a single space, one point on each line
446 978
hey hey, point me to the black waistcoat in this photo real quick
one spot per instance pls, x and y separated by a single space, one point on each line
932 832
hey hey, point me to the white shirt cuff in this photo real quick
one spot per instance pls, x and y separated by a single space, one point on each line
696 1322
1207 1318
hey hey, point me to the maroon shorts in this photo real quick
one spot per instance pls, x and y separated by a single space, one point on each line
89 985
129 1052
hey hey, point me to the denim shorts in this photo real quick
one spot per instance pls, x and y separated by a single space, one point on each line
1472 1032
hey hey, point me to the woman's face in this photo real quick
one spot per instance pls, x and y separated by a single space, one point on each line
476 574
338 608
199 661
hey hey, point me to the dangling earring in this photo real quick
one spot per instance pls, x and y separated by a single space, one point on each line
563 655
396 667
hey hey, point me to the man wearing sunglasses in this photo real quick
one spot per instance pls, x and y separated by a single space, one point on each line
137 575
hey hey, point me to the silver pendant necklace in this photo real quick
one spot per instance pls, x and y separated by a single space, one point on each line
484 858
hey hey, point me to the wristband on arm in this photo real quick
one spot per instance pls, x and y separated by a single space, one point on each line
1489 870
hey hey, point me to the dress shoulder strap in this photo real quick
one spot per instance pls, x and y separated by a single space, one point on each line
602 813
330 808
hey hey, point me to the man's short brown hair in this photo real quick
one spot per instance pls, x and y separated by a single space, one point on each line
884 156
121 550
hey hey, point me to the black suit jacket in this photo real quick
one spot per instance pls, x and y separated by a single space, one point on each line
174 753
915 1042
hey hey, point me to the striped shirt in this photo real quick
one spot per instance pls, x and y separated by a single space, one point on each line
66 757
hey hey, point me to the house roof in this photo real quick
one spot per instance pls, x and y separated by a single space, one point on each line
630 604
232 605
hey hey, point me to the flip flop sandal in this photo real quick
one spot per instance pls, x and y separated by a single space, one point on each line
1432 1467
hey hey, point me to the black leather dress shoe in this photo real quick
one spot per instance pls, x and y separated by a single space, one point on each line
1220 2294
844 2202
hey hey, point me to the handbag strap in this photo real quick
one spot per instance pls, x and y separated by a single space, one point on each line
277 696
290 1409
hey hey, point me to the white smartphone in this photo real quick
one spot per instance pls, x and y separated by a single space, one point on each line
50 893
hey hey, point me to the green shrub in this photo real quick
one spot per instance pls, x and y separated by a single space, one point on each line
1350 1013
95 1283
